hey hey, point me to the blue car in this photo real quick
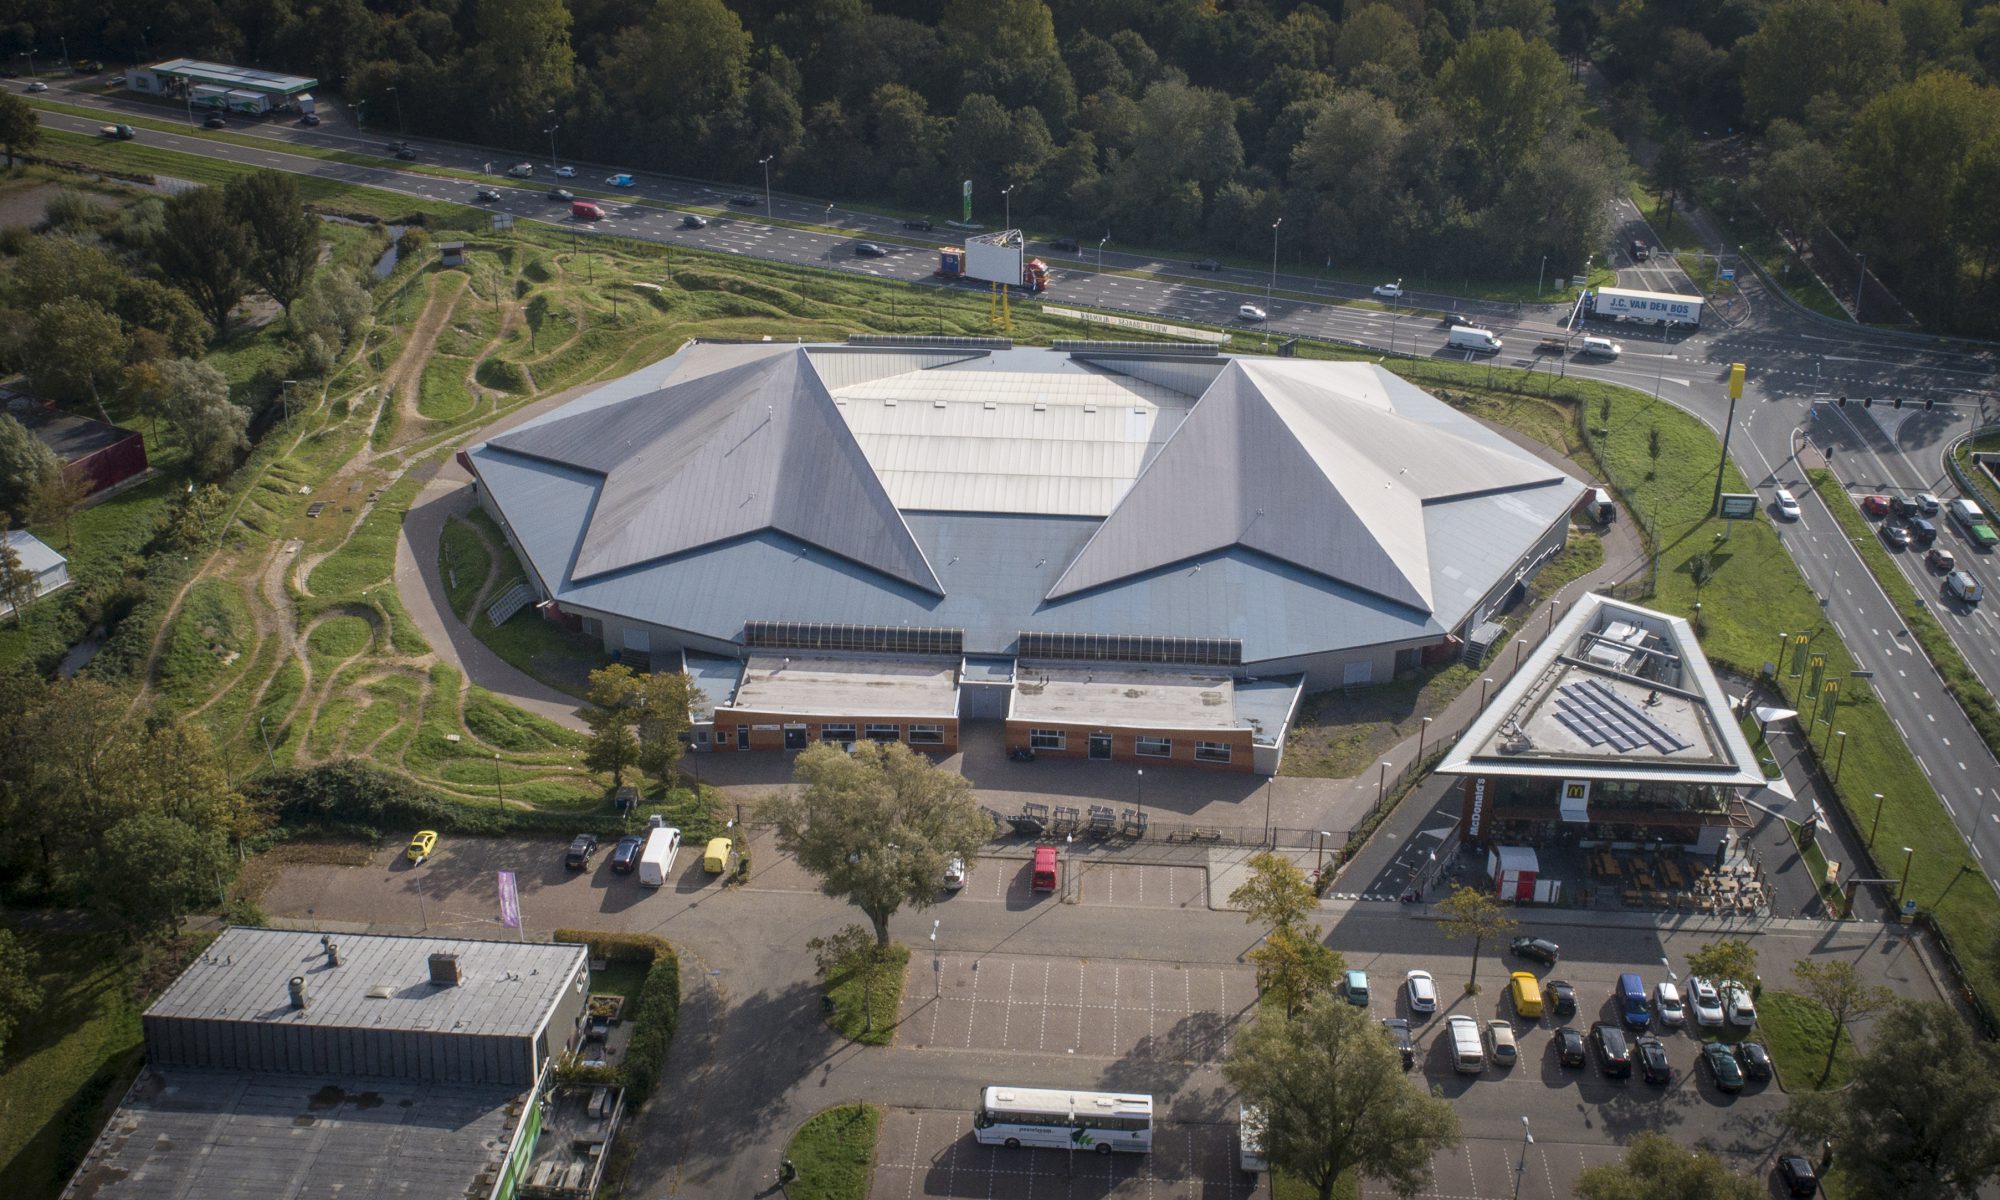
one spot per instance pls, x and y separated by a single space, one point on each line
620 181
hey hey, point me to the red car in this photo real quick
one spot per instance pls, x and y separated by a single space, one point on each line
584 210
1875 506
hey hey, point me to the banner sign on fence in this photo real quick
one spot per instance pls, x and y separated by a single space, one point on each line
510 901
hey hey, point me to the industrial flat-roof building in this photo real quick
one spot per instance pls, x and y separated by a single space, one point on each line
290 1064
223 86
1123 551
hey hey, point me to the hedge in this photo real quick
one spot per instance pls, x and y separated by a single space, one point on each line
657 1011
352 796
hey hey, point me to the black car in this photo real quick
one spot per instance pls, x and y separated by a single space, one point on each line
1798 1174
580 850
694 221
1569 1046
1723 1066
1562 997
215 122
1065 244
868 250
1539 949
625 855
1896 534
917 223
309 119
486 196
406 154
1903 506
1922 532
1208 264
1399 1032
1613 1054
743 200
1755 1059
1653 1066
563 194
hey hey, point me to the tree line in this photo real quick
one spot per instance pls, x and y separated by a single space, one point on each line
1444 136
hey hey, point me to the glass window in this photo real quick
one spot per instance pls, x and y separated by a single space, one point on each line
1156 747
1048 739
836 733
1212 751
885 733
927 735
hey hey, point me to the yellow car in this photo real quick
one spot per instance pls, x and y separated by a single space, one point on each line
715 860
421 845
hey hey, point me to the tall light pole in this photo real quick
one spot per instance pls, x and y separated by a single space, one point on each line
1904 883
269 757
360 112
765 162
1100 250
1007 206
1381 786
1877 826
1320 862
498 786
1527 1140
1839 755
1541 275
551 131
402 130
1421 731
65 48
1273 285
1484 683
1142 792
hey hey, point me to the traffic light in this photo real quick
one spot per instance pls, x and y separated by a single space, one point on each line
1928 401
1843 402
1868 402
1898 402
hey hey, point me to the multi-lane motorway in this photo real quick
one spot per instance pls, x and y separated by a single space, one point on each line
1792 358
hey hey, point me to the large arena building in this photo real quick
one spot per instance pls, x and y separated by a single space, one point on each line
1123 551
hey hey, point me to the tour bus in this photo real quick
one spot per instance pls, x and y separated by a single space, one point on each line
1061 1120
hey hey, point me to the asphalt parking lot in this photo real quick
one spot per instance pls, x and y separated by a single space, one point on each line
1162 1012
930 1152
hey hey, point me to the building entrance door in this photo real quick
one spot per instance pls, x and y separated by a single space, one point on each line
795 737
1100 745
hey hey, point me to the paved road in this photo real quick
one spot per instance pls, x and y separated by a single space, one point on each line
1792 358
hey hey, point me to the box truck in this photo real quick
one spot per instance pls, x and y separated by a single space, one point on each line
1665 308
995 258
656 861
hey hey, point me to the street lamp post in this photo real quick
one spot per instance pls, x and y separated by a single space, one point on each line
1100 250
1541 275
1272 287
1421 731
498 786
1141 775
937 965
551 131
1876 827
1527 1140
1381 786
1007 206
360 113
1319 863
269 757
765 162
402 130
1903 884
1839 755
1484 683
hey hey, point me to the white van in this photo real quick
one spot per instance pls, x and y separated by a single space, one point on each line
1602 347
1251 1130
656 861
1468 1051
1482 341
1965 512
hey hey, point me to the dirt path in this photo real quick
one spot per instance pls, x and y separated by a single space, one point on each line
404 379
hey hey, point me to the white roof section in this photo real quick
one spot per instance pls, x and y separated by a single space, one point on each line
507 987
847 686
1058 443
226 75
1316 464
1141 697
1616 692
33 553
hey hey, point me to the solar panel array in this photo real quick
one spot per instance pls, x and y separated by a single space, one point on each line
1600 716
872 639
1132 648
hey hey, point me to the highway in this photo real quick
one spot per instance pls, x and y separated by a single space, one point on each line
1792 357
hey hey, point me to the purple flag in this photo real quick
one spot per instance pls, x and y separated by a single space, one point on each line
510 901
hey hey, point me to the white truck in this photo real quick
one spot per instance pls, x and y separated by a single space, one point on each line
656 861
995 258
1664 308
1479 341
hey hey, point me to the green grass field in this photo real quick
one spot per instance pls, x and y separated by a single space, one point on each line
1797 1032
864 1009
834 1152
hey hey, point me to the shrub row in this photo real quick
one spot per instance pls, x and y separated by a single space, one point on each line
352 796
654 1014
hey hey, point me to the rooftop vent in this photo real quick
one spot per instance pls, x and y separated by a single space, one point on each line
298 988
444 970
332 951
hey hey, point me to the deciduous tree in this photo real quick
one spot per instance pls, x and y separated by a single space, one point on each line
75 351
1836 986
1658 1168
55 499
1471 913
1808 50
24 459
1727 958
17 582
613 692
19 993
20 125
877 827
282 237
665 700
1922 1117
156 869
1335 1098
194 399
203 250
1293 964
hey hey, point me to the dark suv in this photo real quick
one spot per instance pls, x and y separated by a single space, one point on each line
580 850
1613 1053
1399 1033
625 855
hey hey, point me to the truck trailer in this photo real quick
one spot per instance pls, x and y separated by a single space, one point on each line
995 258
1665 308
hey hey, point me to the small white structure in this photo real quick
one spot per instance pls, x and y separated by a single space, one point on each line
51 569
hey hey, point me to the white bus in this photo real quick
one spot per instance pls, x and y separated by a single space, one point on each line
1062 1120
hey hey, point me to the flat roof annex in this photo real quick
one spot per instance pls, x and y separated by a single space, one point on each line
841 686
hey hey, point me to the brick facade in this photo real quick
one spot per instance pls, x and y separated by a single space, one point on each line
1181 747
767 731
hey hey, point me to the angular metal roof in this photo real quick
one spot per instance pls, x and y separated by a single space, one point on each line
1310 463
742 439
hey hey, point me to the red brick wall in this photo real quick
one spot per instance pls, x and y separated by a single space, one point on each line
1124 744
727 719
